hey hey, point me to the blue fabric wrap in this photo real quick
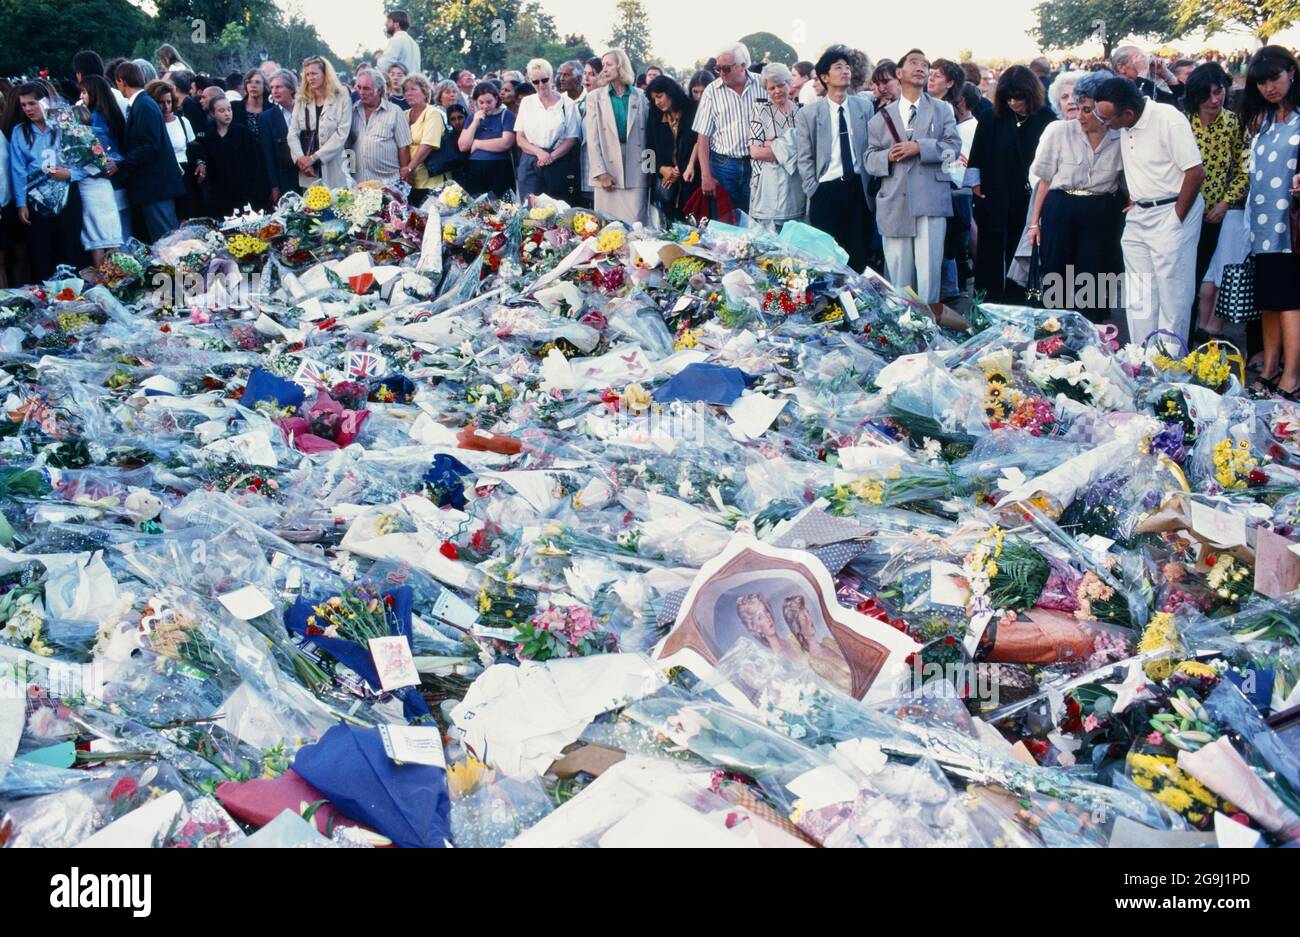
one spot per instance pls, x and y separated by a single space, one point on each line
708 383
263 385
444 477
357 657
407 803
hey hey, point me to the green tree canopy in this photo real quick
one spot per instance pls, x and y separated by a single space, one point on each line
632 32
40 34
1064 24
766 47
1263 19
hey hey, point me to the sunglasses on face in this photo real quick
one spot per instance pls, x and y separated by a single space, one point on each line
724 69
541 81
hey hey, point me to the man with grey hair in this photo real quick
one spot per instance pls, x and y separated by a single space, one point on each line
274 134
722 121
381 135
568 81
1132 63
268 69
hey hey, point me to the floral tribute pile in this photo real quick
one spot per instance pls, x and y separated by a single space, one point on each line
510 502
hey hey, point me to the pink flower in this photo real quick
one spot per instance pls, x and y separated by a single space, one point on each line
1156 739
199 317
1091 723
125 787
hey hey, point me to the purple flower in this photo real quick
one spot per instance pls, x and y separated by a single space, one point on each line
1170 442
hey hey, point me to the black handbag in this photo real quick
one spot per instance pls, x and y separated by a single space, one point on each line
560 179
1236 300
1034 283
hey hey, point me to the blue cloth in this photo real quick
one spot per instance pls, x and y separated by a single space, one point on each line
814 242
399 385
734 176
1259 690
357 657
101 225
708 383
263 385
491 127
444 481
1272 166
407 803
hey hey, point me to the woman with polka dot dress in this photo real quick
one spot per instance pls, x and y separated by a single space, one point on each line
1271 109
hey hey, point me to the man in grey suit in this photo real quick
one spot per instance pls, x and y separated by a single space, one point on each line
831 134
909 145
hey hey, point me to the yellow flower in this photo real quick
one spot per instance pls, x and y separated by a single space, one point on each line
692 238
611 239
636 398
453 196
541 212
449 233
585 224
1194 668
465 777
317 198
1174 798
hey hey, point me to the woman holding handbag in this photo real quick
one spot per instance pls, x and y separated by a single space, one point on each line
673 140
617 116
318 131
48 203
547 132
1271 111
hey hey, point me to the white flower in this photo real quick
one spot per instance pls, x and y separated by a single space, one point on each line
1012 478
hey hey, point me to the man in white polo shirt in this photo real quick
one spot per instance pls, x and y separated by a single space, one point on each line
1163 171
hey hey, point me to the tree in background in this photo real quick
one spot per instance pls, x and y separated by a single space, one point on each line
1065 24
534 37
1264 19
40 34
632 32
218 46
766 47
462 33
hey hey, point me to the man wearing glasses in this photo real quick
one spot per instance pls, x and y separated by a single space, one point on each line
1163 172
722 121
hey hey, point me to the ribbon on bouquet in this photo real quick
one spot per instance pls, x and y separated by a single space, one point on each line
1109 335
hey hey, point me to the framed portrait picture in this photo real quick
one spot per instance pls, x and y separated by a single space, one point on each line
784 600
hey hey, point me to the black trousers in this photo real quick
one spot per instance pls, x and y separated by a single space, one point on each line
840 209
1079 237
57 240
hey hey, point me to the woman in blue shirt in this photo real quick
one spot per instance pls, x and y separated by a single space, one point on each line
488 139
1271 110
110 128
33 151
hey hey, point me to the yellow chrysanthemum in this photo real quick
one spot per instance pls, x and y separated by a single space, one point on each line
317 198
611 239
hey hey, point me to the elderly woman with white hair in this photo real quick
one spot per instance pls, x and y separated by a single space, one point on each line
616 139
1076 214
1061 95
775 194
547 130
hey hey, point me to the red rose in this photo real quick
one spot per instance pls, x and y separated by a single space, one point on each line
164 327
1257 477
950 641
449 550
389 600
125 787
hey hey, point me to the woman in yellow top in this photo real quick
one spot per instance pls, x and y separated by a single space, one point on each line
427 128
1224 154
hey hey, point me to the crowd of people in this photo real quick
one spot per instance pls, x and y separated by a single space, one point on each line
1172 179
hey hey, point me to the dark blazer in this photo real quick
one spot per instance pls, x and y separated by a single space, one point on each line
673 153
1003 153
192 111
149 162
274 140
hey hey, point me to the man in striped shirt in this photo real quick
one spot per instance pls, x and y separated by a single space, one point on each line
723 121
381 134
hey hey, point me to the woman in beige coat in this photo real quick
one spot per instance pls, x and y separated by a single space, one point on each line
615 128
318 132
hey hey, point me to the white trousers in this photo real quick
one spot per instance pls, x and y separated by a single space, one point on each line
918 261
1160 268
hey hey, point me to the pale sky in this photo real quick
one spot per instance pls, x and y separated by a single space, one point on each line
683 32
